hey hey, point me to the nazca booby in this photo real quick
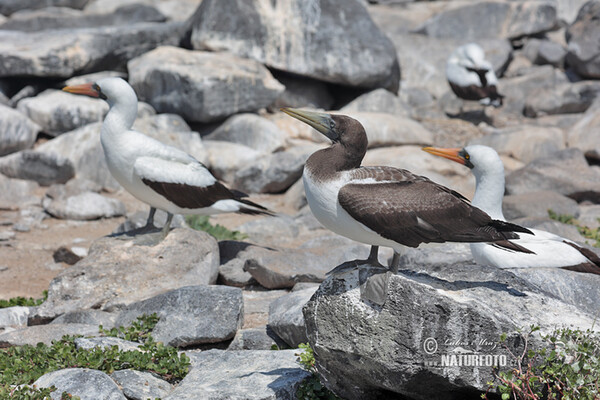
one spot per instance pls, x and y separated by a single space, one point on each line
471 76
162 176
385 206
543 249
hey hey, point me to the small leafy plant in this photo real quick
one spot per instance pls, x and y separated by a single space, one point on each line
567 369
311 388
219 232
24 302
585 231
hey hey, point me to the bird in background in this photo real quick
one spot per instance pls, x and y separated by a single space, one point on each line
471 76
385 206
162 176
541 249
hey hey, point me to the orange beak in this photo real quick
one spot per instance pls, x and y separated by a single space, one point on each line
87 89
450 154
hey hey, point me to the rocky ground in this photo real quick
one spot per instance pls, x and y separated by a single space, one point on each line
211 76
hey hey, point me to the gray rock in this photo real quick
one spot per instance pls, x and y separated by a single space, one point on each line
545 52
88 384
546 224
567 98
271 230
241 375
73 187
568 9
302 92
117 273
295 197
85 206
191 315
138 385
589 215
273 173
106 342
429 256
33 335
18 132
201 86
286 318
252 339
256 306
580 290
43 168
389 130
251 130
17 193
88 157
225 158
584 134
13 317
379 101
582 38
8 7
90 317
63 18
466 310
565 172
56 111
524 142
295 37
274 268
64 53
537 204
492 19
304 285
231 270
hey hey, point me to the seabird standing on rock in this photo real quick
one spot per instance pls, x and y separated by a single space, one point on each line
385 206
542 249
162 176
471 76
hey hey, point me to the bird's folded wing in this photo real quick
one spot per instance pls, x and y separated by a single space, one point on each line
187 185
414 212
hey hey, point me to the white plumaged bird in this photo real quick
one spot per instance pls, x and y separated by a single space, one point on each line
471 76
543 249
162 176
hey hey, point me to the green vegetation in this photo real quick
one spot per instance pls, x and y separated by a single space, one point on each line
24 364
567 368
201 223
22 301
585 231
311 388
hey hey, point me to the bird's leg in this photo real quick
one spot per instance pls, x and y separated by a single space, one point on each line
150 220
373 255
395 264
372 260
152 239
375 286
165 229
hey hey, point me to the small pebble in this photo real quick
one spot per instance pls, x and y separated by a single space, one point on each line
19 227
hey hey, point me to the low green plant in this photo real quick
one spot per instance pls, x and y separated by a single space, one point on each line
585 231
566 368
311 388
23 365
219 232
23 301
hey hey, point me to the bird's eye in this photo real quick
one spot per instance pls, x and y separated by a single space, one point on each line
332 125
467 156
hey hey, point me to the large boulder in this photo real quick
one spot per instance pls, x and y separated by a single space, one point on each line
583 38
388 130
295 36
84 207
117 272
492 19
432 318
286 318
64 53
201 86
18 132
17 193
584 134
87 384
562 99
8 7
45 169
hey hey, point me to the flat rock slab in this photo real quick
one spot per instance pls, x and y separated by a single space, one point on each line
537 204
88 384
399 342
13 317
117 272
583 36
256 306
201 86
106 342
33 335
286 318
90 317
85 206
138 385
295 36
17 193
191 315
64 53
252 339
241 375
45 169
18 132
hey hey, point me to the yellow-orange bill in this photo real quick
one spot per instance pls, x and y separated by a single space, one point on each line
86 88
450 154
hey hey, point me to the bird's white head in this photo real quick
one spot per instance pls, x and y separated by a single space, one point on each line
484 160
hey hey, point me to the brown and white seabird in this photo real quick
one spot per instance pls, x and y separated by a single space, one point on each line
543 249
162 176
471 76
385 206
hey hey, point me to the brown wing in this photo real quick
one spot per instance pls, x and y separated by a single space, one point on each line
418 211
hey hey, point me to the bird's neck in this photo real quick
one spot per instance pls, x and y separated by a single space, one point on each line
334 159
120 118
489 191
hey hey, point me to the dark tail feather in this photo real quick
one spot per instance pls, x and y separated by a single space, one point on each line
593 267
257 208
508 230
587 268
508 245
